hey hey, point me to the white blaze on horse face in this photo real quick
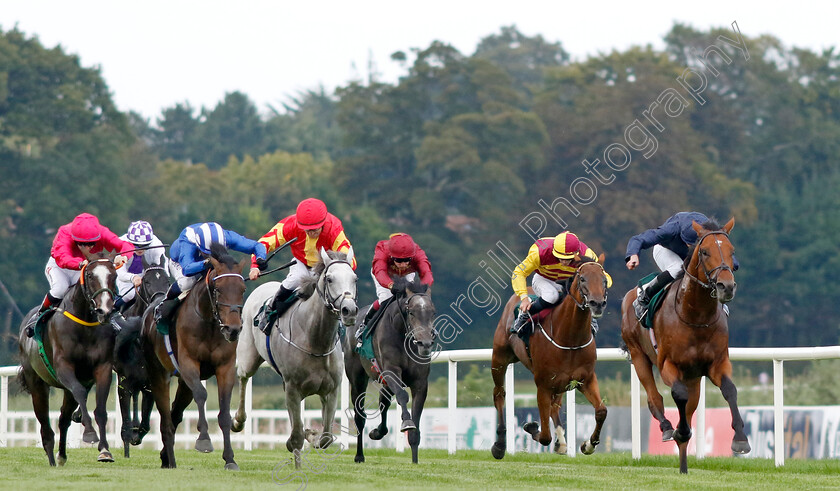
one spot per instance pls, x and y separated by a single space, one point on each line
101 273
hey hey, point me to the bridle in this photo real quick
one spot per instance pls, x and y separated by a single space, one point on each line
407 314
583 304
214 297
712 274
90 297
142 293
333 303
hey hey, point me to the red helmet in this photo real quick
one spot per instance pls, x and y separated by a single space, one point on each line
401 246
85 228
311 213
566 245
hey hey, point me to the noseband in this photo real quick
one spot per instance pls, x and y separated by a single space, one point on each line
334 303
712 274
214 297
90 297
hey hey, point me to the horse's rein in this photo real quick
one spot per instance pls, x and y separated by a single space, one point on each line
722 267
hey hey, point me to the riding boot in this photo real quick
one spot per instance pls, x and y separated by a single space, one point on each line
361 332
281 302
49 303
524 317
165 309
640 305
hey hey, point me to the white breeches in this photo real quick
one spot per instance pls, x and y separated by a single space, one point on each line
383 293
60 279
546 289
667 260
297 272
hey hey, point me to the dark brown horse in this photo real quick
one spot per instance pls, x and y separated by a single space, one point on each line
203 338
562 357
692 335
78 344
403 345
129 362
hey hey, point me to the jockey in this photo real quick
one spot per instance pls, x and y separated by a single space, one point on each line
671 244
145 242
397 256
189 259
84 235
314 229
553 259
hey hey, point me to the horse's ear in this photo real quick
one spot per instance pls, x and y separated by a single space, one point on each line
324 257
350 255
601 259
214 263
728 227
697 228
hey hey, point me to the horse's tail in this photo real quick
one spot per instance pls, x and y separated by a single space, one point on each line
624 349
21 380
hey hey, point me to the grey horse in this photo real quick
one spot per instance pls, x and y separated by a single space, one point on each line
304 344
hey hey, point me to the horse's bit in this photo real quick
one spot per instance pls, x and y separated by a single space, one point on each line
716 271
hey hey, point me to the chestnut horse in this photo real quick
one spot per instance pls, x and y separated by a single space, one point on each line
692 335
562 357
204 335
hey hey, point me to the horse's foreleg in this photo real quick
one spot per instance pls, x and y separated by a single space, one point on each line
191 381
295 441
498 369
225 378
384 404
146 412
656 406
593 394
357 394
160 391
721 375
393 378
681 394
66 375
103 377
248 360
560 446
328 405
544 404
239 420
127 428
418 399
64 419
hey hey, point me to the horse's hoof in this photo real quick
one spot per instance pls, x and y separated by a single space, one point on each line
375 434
231 466
141 433
204 446
237 425
359 459
407 425
498 450
309 435
325 441
680 438
105 456
587 448
76 417
62 459
561 448
532 428
741 447
667 435
90 437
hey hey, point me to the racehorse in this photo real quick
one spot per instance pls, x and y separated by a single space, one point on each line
78 342
562 357
692 338
303 343
206 328
403 346
129 362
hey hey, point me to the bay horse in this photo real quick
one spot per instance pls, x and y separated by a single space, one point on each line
206 328
402 342
562 357
129 362
692 336
302 346
78 342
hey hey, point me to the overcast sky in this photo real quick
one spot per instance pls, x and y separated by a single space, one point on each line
155 53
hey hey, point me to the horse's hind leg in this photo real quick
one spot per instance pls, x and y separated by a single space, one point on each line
560 446
127 429
225 378
592 393
145 415
64 419
103 377
248 361
358 384
40 392
498 368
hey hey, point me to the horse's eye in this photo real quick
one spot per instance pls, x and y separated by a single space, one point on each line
329 280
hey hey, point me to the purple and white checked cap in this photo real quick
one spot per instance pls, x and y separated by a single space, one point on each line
140 233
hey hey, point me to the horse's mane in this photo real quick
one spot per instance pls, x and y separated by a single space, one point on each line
221 254
416 286
710 225
587 259
308 284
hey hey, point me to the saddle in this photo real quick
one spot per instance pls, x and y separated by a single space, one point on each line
655 302
366 350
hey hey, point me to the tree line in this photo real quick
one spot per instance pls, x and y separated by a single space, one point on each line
460 152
